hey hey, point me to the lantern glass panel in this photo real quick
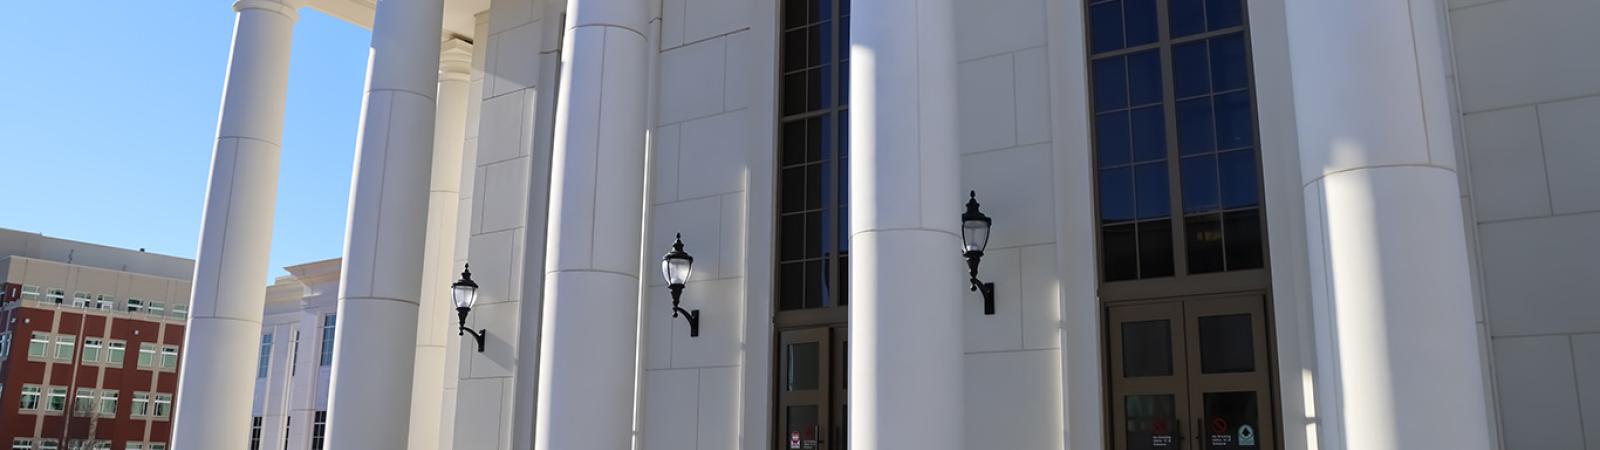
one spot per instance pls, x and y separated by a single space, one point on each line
464 296
677 270
975 234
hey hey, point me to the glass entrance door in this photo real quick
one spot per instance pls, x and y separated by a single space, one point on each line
1191 374
813 395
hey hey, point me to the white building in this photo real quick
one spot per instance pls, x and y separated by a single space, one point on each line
1271 224
295 360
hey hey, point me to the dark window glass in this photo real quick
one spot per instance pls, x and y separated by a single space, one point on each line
1186 17
804 424
1155 249
1199 176
1112 144
1110 84
1238 176
1191 75
1120 251
812 181
1212 104
1147 349
1233 421
1223 14
1105 26
1228 65
1234 127
1204 238
1150 190
804 367
1152 422
1116 195
1149 134
1244 239
1144 78
1140 16
1195 127
1227 344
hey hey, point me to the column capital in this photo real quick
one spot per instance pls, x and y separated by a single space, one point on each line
455 59
287 8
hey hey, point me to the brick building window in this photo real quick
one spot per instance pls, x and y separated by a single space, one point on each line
169 357
57 400
163 405
82 300
141 405
108 403
116 350
22 444
147 355
49 444
64 346
157 310
37 345
30 397
92 349
83 404
135 305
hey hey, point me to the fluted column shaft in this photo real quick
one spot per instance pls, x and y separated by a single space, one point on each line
375 344
1397 365
436 317
586 384
906 277
224 326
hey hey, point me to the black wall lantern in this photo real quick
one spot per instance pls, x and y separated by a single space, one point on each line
676 267
464 293
974 238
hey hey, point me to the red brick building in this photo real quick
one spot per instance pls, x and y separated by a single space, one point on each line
90 344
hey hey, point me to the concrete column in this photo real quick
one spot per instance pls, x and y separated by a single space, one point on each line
469 167
436 317
591 291
906 271
375 344
224 328
1396 345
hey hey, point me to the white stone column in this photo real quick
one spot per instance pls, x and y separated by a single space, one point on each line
436 318
375 344
1396 345
906 272
224 329
591 291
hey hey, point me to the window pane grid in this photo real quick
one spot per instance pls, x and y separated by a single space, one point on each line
1202 90
813 91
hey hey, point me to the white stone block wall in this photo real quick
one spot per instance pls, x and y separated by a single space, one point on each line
505 165
702 137
1527 85
1013 362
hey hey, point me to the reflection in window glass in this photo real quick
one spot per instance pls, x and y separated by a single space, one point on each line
1152 422
1200 139
804 367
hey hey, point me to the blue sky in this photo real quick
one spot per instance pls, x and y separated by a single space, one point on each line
107 125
